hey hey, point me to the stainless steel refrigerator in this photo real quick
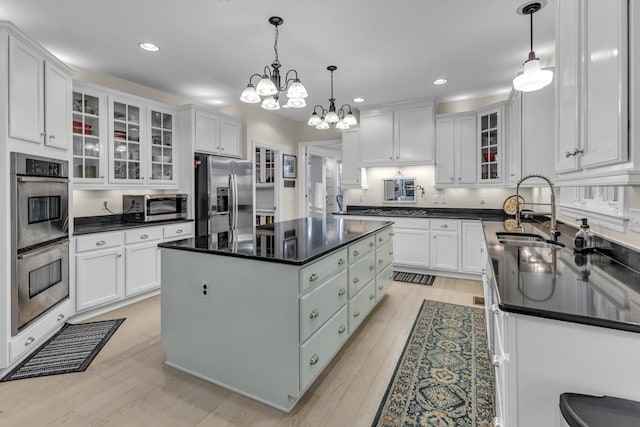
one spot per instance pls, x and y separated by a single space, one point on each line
223 194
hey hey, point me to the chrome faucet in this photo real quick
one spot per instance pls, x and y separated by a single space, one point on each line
554 226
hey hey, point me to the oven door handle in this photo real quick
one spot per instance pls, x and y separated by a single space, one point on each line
41 179
42 250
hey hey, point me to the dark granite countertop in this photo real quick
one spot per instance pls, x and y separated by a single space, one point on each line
297 242
600 288
104 223
415 212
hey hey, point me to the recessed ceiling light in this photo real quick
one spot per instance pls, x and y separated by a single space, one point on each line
151 47
440 81
358 99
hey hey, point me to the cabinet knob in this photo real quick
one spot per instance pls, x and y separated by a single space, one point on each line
356 280
372 296
144 236
380 261
101 243
380 287
101 176
179 231
391 234
341 292
390 253
314 313
391 158
575 152
459 179
52 137
452 179
481 250
60 317
29 341
496 360
341 329
380 239
372 267
119 255
356 313
313 277
341 261
371 244
314 359
356 253
444 226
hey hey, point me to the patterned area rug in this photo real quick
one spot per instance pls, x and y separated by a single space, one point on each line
421 279
444 376
70 350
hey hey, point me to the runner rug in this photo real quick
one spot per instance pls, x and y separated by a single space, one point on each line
70 350
421 279
444 376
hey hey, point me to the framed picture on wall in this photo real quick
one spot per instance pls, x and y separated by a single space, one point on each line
288 166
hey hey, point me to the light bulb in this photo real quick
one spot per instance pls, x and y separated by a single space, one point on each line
270 103
331 117
533 77
342 125
297 90
350 120
296 103
323 125
314 120
249 95
266 87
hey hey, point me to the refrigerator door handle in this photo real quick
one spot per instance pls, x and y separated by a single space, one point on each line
232 197
235 200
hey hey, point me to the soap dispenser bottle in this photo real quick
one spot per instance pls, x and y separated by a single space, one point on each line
583 240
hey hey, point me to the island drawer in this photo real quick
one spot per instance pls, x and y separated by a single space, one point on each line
316 273
361 273
140 235
384 236
384 256
361 305
181 230
93 242
317 306
361 248
444 224
384 280
322 346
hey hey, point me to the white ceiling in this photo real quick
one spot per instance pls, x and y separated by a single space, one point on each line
386 51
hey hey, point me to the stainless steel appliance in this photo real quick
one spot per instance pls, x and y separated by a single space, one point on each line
39 236
224 194
154 207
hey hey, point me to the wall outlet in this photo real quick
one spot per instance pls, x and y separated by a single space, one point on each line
205 289
443 199
483 199
434 199
634 220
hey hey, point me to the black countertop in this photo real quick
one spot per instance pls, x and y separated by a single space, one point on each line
104 223
415 212
296 242
593 288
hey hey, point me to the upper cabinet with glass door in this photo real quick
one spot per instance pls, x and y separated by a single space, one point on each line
162 156
126 152
490 145
89 130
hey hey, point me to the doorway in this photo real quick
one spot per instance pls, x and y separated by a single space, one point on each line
321 184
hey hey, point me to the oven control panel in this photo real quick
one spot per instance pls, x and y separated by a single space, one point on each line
43 168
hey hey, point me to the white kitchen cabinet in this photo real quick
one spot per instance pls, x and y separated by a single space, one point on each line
143 268
411 242
353 175
490 145
397 136
210 132
513 137
456 141
39 95
472 248
162 157
444 246
592 55
89 117
127 132
99 277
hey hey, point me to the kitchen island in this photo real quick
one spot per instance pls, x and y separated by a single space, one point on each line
263 310
559 322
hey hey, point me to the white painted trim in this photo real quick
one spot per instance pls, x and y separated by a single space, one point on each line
611 222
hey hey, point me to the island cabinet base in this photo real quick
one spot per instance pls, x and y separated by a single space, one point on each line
263 329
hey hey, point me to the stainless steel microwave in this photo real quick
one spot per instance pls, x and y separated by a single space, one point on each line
154 207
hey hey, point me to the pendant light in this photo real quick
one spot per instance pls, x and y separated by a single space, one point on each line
533 77
270 85
332 117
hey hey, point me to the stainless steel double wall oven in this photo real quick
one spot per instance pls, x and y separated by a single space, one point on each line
39 236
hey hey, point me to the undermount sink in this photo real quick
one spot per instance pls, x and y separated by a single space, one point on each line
527 239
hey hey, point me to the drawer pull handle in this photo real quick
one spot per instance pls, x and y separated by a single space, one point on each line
495 309
496 361
444 226
341 261
390 253
371 244
392 234
29 341
341 329
314 313
356 253
314 359
60 317
380 287
179 231
372 296
356 313
380 261
341 292
356 280
101 243
380 239
144 236
313 277
372 267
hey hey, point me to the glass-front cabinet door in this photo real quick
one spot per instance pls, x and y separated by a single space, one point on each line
162 156
126 151
89 128
490 146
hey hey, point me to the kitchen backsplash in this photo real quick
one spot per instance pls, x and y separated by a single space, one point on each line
89 202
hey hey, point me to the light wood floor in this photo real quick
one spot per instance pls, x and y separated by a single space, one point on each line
129 385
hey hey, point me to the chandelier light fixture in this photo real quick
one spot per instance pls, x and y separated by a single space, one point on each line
330 117
533 77
271 85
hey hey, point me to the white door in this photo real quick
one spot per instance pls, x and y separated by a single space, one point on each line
100 276
411 247
316 193
376 139
444 250
207 136
445 150
472 247
57 100
143 268
466 158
